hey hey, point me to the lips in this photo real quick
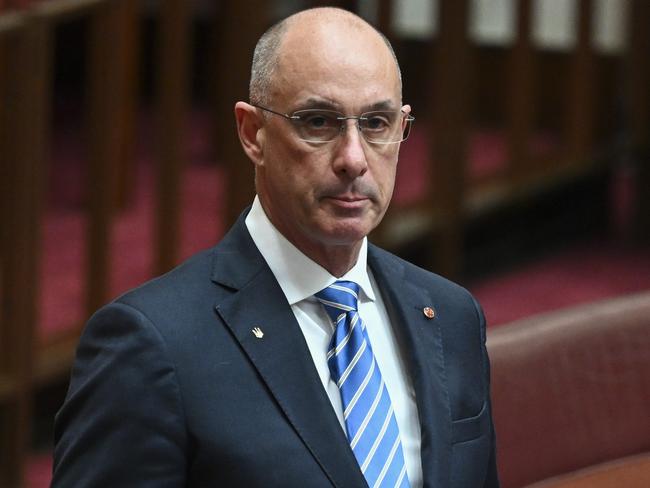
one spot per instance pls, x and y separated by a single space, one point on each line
349 202
349 198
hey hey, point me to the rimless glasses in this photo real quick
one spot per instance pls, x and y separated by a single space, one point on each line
321 126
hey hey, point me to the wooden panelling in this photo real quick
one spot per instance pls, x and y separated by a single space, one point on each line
102 122
453 89
24 114
237 33
520 106
172 107
638 107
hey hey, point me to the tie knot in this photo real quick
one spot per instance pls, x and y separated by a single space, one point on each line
341 296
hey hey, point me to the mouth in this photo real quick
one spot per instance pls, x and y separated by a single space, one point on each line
349 202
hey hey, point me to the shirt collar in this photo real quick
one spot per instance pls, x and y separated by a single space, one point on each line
300 277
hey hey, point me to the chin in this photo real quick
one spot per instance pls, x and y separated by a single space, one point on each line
346 234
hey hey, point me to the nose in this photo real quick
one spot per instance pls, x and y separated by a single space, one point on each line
350 159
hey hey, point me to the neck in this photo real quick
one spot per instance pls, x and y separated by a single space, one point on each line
337 260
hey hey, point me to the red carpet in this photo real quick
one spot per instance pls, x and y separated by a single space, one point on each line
64 226
62 268
579 275
39 471
487 153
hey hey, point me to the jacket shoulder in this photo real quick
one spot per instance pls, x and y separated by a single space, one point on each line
414 273
185 277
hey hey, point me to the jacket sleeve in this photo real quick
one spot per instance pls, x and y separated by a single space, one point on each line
122 422
492 476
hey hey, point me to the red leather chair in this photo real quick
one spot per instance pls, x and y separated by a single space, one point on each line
571 396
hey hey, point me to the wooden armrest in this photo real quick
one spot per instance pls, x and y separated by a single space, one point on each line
630 472
56 10
11 21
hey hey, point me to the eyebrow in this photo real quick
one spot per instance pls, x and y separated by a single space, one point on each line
324 103
317 103
383 105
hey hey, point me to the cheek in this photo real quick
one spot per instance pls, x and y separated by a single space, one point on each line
294 175
385 176
306 170
390 171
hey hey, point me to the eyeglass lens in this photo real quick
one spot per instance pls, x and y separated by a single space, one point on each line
325 125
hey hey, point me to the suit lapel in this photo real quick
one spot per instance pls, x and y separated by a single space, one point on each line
422 337
279 353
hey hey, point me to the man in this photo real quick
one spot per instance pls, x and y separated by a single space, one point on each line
293 353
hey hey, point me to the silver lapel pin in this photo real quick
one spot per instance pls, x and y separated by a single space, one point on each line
257 332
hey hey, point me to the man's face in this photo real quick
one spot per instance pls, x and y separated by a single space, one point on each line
325 195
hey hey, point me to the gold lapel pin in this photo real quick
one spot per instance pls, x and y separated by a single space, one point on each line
428 312
257 332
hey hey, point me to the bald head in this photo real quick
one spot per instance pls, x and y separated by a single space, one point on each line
298 35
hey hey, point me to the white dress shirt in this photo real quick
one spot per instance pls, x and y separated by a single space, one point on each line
300 278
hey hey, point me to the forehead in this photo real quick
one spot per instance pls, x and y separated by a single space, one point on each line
342 62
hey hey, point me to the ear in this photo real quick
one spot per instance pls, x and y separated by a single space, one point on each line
249 125
407 110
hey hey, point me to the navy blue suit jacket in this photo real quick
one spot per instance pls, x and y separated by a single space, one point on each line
171 388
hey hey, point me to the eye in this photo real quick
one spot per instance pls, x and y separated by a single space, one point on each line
317 120
377 121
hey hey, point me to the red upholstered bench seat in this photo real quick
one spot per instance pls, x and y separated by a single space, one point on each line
571 391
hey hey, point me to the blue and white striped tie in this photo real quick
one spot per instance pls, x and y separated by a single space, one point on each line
371 426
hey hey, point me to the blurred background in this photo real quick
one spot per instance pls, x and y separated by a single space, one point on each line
526 178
